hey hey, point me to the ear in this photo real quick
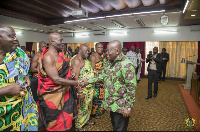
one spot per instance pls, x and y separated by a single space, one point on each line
117 51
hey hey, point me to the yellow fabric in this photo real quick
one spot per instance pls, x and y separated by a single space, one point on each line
177 51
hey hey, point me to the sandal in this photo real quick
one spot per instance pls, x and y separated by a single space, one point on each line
90 123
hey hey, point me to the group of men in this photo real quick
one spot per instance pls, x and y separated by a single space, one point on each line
66 90
156 67
136 58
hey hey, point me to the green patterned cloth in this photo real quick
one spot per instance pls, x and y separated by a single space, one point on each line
119 84
85 107
17 113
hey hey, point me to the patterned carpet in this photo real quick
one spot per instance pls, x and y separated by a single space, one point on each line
166 112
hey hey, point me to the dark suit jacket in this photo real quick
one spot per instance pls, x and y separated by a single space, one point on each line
164 62
158 61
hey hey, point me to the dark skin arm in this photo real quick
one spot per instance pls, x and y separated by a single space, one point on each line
34 63
76 65
13 89
50 68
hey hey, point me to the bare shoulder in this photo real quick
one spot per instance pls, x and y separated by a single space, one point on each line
48 57
93 56
75 61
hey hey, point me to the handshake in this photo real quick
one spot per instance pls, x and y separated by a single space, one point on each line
82 83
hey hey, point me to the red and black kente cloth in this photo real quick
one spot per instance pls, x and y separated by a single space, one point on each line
57 103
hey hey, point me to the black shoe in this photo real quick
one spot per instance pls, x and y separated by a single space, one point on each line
155 95
148 97
138 81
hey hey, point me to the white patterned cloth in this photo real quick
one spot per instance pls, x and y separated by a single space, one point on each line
132 56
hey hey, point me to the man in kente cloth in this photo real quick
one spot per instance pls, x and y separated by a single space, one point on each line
98 61
83 70
18 110
34 69
56 94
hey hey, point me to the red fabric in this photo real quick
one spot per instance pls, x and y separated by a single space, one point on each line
64 121
137 45
47 82
58 126
198 60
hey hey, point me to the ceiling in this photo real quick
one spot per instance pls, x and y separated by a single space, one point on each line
55 15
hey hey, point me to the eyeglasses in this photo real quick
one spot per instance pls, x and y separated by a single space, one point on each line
110 51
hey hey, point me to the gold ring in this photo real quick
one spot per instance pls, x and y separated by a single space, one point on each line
22 93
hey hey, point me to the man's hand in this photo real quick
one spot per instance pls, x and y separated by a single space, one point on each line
83 83
28 81
82 97
15 89
126 112
73 73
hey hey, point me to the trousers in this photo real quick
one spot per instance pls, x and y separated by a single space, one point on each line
119 122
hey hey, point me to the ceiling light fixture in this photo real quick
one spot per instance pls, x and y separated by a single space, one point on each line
148 12
81 34
165 31
118 33
120 15
186 6
84 19
192 15
19 33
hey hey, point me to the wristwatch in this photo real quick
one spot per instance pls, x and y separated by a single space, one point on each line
128 109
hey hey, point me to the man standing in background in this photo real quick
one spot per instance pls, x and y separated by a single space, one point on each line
165 59
132 56
34 69
139 67
154 69
124 50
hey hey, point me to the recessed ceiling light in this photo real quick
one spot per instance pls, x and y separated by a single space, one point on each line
192 15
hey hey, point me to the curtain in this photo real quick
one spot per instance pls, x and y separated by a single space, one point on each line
198 60
177 51
149 47
104 44
29 46
137 45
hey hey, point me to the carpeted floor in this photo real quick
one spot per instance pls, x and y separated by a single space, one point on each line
166 112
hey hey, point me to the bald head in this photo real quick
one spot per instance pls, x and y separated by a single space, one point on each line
115 44
56 40
83 51
53 36
113 49
7 37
